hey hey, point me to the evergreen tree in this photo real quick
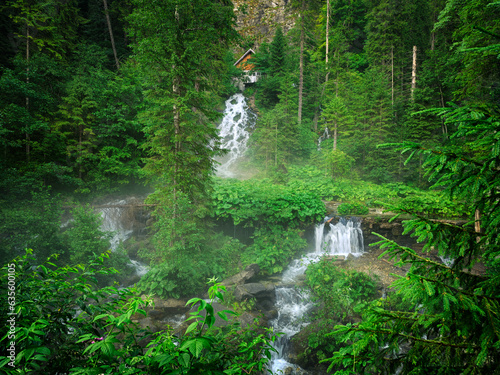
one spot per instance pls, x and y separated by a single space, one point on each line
180 47
272 61
182 74
277 50
447 318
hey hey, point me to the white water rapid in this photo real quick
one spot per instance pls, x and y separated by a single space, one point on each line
234 131
293 304
116 219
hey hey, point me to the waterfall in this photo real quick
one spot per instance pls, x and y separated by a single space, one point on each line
322 137
234 133
117 218
293 304
343 238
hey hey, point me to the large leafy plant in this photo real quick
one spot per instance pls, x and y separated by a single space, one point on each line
253 202
64 324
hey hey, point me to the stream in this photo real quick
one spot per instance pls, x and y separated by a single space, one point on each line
293 304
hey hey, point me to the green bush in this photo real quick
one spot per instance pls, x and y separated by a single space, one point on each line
64 324
273 248
253 202
185 273
342 292
352 209
341 296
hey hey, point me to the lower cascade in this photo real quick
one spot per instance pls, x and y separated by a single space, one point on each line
292 303
115 219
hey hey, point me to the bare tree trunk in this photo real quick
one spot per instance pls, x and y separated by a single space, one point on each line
477 217
327 34
414 73
177 148
28 151
316 114
117 62
276 146
301 62
334 134
444 128
80 135
392 75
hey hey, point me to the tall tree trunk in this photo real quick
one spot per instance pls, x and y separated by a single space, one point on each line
276 146
80 136
392 75
316 114
108 20
327 34
414 73
477 223
301 61
335 134
28 151
177 147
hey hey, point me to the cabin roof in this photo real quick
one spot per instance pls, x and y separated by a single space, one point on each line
250 51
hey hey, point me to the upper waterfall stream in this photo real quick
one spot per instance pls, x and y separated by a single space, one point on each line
234 131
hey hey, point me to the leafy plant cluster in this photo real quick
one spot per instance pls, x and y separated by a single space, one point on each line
276 213
344 292
75 328
433 202
273 247
259 201
341 295
352 209
184 274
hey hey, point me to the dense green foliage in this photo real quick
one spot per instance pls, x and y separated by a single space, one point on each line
352 209
274 247
97 95
277 213
341 296
83 106
260 202
73 327
451 321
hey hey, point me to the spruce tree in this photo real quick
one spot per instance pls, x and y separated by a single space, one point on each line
179 47
444 317
277 51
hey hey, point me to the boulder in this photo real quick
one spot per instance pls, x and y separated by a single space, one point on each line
264 295
242 277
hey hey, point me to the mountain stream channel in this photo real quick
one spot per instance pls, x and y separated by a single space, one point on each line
288 304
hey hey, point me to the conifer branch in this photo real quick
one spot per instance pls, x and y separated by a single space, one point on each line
410 337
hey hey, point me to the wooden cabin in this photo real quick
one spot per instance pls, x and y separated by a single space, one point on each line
251 75
242 62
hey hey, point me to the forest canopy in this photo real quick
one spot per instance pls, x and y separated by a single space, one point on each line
373 104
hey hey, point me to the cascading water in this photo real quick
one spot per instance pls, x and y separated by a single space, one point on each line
293 305
321 138
114 219
234 133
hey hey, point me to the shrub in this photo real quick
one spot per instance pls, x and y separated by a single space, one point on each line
352 209
273 248
64 324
